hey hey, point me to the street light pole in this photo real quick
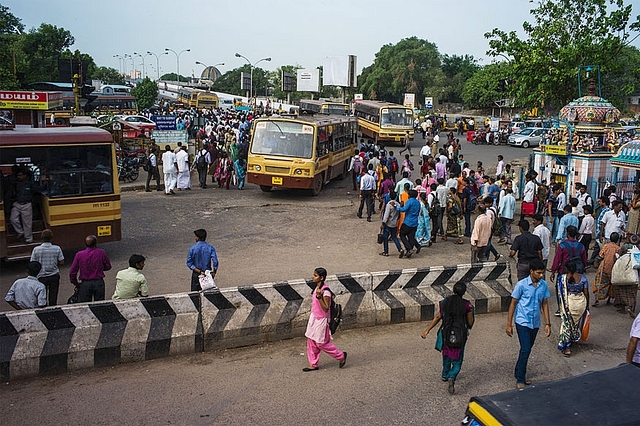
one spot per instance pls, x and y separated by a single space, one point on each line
251 66
177 60
143 66
119 62
157 62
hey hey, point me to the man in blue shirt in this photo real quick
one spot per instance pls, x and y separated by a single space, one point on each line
202 257
530 296
411 210
567 220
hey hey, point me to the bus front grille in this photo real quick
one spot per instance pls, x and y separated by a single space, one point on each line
274 169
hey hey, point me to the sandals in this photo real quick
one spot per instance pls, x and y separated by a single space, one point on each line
310 369
384 254
344 360
566 353
596 304
401 255
459 241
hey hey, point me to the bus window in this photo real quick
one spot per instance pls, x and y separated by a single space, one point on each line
76 170
283 138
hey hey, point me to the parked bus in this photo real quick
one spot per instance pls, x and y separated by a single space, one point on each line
196 98
112 104
300 152
312 106
77 194
383 121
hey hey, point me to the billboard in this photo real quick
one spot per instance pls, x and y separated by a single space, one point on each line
308 80
245 81
339 71
409 100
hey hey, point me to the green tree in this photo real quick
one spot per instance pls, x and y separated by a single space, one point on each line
173 77
229 82
10 30
487 85
564 35
146 93
108 75
44 46
457 70
411 66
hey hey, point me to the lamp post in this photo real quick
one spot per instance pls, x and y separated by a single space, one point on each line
119 62
157 62
251 66
143 66
177 60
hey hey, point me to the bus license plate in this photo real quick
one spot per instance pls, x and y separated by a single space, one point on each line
398 138
104 231
276 180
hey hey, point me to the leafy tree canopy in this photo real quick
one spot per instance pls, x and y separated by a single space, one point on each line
564 35
412 65
108 75
145 93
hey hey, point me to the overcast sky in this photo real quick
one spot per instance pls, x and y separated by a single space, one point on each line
298 32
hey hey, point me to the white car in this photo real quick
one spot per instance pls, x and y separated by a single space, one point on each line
517 126
138 119
530 136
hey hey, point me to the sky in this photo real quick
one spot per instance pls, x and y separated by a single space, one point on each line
298 32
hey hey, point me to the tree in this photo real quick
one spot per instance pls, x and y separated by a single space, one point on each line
44 47
108 75
488 85
564 35
145 93
173 77
410 66
457 70
10 30
229 82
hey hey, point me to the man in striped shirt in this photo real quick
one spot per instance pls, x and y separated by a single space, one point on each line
51 258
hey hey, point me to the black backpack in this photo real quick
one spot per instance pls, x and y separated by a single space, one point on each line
454 327
335 313
496 223
202 160
574 256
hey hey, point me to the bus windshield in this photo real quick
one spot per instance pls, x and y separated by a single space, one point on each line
286 138
337 109
392 117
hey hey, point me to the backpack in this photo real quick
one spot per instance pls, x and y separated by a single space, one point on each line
357 164
454 329
394 165
574 257
496 223
335 313
435 204
473 203
201 162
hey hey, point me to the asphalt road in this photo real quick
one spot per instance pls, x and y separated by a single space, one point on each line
392 376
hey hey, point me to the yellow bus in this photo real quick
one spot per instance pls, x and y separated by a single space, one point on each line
383 121
312 106
300 152
196 98
74 172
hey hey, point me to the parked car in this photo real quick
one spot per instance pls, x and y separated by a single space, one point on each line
138 119
530 136
517 126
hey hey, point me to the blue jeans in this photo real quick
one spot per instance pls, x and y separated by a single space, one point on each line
451 367
490 249
527 337
467 224
390 232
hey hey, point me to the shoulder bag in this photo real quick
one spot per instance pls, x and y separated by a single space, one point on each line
623 272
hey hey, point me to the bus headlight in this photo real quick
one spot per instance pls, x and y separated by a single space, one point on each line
297 171
258 168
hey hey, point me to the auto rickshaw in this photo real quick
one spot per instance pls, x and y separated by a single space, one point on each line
607 397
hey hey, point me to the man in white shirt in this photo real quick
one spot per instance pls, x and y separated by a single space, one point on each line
442 192
545 236
584 199
425 152
633 348
586 227
170 169
184 175
452 182
500 166
367 191
436 141
612 221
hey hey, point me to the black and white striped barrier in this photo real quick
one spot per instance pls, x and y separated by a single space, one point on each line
72 337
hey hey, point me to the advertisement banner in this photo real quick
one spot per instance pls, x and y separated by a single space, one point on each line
30 100
164 122
308 80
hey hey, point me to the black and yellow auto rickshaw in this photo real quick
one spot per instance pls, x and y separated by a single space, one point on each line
608 397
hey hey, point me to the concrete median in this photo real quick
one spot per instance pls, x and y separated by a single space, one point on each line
72 337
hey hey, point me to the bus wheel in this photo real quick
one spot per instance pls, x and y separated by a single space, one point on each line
60 121
266 188
317 184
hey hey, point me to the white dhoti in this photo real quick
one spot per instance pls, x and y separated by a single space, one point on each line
184 179
170 180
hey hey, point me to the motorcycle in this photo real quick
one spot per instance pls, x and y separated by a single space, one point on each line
128 167
480 138
502 138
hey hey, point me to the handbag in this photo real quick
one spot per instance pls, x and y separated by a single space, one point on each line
623 272
74 297
528 208
207 282
585 324
380 238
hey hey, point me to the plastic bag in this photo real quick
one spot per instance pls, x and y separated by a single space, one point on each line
585 324
635 257
206 281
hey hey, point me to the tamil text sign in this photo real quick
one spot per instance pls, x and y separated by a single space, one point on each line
30 100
